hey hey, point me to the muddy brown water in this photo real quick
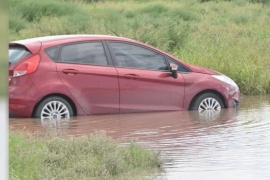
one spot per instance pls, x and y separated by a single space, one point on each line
234 144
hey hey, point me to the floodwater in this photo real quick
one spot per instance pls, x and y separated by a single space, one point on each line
234 144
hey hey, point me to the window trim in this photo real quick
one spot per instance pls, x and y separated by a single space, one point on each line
139 45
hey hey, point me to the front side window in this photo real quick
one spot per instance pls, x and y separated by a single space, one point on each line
133 56
84 53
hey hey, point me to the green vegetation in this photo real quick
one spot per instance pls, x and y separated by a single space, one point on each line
94 156
3 50
230 36
3 78
3 54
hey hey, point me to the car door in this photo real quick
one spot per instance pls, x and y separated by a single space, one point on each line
145 82
90 77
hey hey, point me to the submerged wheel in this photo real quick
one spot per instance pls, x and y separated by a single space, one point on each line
207 102
54 107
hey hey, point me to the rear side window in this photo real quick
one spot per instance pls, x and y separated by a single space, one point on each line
17 53
84 53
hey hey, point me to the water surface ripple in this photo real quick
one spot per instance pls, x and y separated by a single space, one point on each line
234 144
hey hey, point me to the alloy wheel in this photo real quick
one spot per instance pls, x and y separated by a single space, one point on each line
209 104
55 110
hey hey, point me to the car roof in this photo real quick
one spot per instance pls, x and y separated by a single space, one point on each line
34 44
72 37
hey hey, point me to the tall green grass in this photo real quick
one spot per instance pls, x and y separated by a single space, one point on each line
3 50
228 36
96 156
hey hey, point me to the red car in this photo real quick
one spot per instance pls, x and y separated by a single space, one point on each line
69 75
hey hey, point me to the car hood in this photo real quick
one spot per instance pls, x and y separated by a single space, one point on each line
203 70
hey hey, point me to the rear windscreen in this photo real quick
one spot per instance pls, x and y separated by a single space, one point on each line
17 53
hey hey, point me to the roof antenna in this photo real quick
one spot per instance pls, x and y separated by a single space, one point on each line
106 26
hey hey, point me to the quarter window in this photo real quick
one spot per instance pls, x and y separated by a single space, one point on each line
51 52
180 68
133 56
84 53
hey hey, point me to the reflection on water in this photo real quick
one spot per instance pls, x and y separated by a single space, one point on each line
232 144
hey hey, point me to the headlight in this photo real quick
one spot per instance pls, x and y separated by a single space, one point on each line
225 79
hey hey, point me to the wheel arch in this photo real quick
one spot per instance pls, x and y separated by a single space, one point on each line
207 91
72 104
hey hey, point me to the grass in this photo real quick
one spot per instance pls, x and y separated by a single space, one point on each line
230 36
95 156
3 50
3 79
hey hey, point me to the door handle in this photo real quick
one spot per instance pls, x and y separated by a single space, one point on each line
132 76
70 71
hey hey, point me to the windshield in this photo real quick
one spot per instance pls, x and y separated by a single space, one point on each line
17 53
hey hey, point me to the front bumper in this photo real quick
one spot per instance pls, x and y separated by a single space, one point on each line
232 97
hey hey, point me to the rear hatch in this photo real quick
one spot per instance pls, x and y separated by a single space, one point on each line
23 58
17 53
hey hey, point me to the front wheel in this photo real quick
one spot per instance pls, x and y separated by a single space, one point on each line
207 102
54 107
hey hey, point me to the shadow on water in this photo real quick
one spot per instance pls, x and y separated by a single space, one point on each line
230 144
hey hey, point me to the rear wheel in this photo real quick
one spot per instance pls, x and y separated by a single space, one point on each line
54 107
207 102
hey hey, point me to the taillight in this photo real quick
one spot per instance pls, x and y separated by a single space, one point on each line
26 67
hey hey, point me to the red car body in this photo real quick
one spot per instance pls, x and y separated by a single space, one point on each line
101 89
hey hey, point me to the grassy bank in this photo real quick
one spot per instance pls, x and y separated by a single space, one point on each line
3 78
3 49
94 156
228 36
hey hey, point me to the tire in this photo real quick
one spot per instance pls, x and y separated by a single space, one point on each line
54 107
207 101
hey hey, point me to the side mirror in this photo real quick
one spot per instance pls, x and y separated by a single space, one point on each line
173 69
